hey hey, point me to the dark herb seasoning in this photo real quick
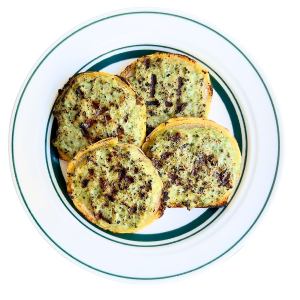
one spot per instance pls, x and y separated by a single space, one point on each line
165 196
95 104
153 103
179 86
152 85
176 137
166 155
180 106
79 93
103 183
84 129
157 163
84 182
168 103
224 178
147 62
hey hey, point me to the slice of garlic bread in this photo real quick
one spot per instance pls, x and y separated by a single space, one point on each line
115 186
171 85
97 105
198 160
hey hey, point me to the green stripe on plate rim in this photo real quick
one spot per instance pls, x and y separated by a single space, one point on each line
15 175
208 214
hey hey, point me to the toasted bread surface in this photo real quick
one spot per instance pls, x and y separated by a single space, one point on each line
97 105
198 160
115 186
171 85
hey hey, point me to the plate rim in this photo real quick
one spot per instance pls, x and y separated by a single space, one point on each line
40 62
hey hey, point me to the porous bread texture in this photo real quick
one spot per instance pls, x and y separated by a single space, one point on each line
171 85
97 105
115 186
198 160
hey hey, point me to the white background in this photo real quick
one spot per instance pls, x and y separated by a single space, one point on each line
267 265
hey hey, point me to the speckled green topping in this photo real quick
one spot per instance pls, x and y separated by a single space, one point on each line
94 106
117 184
171 85
198 166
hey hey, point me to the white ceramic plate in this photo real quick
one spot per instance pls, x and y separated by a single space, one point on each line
181 241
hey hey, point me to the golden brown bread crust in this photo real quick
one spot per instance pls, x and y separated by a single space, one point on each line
62 155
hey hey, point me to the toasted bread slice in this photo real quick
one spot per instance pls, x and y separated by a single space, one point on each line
115 186
97 105
171 85
198 160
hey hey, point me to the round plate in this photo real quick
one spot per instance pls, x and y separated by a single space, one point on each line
181 241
